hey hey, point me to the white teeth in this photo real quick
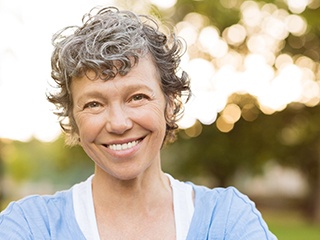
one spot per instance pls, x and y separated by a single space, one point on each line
119 147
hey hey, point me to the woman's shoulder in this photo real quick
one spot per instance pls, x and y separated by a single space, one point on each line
223 203
217 192
36 203
226 212
44 207
38 215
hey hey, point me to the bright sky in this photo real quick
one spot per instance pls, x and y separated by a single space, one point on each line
25 49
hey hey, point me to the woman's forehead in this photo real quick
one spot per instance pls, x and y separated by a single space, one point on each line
143 74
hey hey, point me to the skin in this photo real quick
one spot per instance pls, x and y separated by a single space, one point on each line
121 127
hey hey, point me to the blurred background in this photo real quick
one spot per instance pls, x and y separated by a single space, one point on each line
253 120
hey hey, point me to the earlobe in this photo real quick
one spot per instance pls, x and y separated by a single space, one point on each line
169 111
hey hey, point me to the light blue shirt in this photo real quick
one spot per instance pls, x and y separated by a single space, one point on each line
220 213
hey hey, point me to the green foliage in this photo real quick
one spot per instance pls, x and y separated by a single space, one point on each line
36 161
218 15
290 136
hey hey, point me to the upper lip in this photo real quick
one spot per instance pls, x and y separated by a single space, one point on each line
122 141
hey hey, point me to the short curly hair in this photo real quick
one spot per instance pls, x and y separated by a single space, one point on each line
110 42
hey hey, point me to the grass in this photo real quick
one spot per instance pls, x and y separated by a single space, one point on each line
290 225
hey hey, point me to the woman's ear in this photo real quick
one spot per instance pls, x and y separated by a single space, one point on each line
170 111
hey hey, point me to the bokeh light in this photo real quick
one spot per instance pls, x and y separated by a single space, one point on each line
164 3
297 6
246 57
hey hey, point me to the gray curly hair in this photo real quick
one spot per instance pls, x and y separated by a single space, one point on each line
111 42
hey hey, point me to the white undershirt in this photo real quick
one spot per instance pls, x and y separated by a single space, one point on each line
85 216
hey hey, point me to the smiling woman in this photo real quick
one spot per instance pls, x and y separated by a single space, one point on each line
122 119
120 97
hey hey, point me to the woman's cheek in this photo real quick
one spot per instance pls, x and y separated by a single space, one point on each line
153 118
89 127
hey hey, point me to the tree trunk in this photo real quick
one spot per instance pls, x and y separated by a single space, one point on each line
316 200
312 206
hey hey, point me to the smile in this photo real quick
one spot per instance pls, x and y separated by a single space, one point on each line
124 146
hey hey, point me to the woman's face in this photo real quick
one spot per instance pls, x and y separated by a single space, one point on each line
121 121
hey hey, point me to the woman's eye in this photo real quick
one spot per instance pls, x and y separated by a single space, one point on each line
92 105
139 97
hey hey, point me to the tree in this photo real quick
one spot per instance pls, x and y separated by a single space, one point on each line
37 161
287 130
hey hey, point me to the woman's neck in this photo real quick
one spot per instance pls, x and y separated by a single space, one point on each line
143 191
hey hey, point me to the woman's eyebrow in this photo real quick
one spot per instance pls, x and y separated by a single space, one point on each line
90 94
137 87
128 88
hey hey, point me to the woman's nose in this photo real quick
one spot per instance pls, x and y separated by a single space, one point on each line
118 120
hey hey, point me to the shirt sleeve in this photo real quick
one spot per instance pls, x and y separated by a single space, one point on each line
243 220
13 224
40 217
225 213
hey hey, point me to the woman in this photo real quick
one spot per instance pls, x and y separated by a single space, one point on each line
119 98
